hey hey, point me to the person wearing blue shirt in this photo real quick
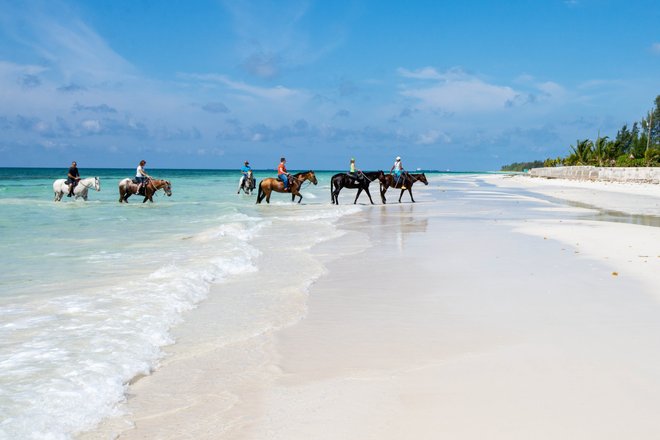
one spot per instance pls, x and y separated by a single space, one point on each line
245 170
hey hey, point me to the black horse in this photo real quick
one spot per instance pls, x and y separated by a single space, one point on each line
404 183
343 180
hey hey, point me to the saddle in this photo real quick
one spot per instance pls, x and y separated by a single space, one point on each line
137 184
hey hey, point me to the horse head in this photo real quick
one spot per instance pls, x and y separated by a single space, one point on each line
308 175
167 188
97 184
422 178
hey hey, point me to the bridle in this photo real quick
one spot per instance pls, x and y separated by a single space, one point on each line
88 187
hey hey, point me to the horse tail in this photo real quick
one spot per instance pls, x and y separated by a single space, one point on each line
260 193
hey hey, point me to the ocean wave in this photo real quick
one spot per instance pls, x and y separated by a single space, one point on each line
65 362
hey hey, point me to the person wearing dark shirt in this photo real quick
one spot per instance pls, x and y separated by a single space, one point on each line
72 177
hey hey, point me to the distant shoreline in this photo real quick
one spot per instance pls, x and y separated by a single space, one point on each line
254 169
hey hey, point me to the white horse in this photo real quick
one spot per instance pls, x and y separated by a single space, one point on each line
60 187
246 183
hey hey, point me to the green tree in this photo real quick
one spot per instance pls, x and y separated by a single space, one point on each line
581 152
602 153
655 125
623 140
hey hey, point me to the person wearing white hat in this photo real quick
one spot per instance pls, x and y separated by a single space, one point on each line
398 171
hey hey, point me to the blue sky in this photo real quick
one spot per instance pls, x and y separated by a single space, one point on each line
452 85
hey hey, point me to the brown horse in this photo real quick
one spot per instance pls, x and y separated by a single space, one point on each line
405 182
127 188
270 184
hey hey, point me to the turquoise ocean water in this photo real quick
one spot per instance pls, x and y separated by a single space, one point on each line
90 290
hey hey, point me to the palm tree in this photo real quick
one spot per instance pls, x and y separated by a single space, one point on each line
602 152
582 152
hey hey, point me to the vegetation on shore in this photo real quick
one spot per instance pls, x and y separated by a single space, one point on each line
637 146
523 166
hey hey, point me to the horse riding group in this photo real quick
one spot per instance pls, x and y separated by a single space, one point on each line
398 178
142 184
146 186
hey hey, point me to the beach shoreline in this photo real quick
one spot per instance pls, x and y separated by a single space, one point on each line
480 311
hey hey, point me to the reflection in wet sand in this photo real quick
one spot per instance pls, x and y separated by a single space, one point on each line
395 223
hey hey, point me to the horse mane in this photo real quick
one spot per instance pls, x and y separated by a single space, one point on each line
301 173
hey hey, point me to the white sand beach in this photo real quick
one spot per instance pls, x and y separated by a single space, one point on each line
493 308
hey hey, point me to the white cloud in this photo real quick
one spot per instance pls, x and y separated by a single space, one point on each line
551 89
423 73
12 69
457 91
272 38
433 137
91 125
62 41
655 48
274 93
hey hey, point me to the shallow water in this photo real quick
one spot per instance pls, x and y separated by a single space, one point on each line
90 290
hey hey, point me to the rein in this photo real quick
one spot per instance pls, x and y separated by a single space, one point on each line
151 182
88 187
365 176
304 179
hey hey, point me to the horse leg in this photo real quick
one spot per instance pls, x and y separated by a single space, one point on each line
367 191
335 194
410 192
382 194
300 199
357 195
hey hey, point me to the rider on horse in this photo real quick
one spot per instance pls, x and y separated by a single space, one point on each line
141 176
399 173
282 174
245 170
72 177
354 172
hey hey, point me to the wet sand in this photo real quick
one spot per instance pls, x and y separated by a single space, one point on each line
492 308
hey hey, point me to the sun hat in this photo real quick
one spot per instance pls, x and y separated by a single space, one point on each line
398 158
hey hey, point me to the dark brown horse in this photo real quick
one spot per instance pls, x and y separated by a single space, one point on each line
127 188
343 180
270 184
405 182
